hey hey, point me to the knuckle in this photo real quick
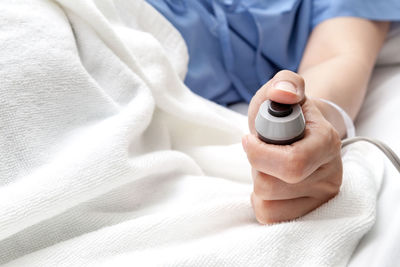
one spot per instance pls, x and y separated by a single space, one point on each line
252 155
296 167
263 185
251 152
331 137
326 132
256 155
334 190
330 185
336 180
265 214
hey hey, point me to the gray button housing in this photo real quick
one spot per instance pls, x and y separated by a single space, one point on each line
279 130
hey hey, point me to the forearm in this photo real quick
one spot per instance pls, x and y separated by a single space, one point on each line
343 80
338 62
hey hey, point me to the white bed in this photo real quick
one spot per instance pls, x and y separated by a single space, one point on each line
107 159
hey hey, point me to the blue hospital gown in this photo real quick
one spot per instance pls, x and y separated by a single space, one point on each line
235 46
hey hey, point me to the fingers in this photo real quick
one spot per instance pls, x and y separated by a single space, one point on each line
275 201
286 87
325 181
291 164
272 211
267 187
295 162
292 180
277 161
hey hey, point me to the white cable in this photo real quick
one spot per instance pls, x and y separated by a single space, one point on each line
350 138
382 146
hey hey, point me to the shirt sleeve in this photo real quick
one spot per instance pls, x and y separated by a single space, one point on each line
379 10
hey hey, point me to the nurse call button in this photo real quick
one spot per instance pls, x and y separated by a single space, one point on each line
279 110
280 124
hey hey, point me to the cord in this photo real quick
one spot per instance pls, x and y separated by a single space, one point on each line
382 146
352 139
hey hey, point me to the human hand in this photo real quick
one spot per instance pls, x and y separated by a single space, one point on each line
292 180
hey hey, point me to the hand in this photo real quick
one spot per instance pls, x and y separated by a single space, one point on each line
290 181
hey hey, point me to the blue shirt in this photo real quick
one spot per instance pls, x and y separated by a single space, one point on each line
235 46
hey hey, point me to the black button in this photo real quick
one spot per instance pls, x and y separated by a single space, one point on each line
279 110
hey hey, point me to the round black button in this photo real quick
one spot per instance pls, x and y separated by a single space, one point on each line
279 110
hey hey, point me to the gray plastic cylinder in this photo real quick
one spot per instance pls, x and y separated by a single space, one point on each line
280 130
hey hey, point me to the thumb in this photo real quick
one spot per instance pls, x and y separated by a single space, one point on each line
286 87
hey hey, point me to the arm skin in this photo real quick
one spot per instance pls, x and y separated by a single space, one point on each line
338 62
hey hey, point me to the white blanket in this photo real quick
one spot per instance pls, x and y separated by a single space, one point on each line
108 159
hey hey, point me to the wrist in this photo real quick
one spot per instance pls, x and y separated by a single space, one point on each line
333 115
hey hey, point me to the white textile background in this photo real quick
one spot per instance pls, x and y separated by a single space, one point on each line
108 159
